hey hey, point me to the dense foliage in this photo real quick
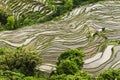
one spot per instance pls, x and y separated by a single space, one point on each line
20 60
80 75
19 64
110 74
69 66
74 55
9 75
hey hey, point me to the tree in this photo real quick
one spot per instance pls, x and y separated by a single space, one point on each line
58 77
80 75
74 55
10 75
67 67
20 60
69 63
110 74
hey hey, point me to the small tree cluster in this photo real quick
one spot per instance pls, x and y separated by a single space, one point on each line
110 74
74 55
10 75
20 60
69 66
80 75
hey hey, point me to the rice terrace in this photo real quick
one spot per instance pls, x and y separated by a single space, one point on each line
59 39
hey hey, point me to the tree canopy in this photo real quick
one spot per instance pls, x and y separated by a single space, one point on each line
110 74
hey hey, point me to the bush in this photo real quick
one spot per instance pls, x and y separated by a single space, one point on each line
33 78
83 75
9 75
68 4
69 63
58 77
10 23
72 55
111 74
27 21
20 60
80 75
2 51
67 67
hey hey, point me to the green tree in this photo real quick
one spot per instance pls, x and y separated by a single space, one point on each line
33 78
74 55
67 67
69 63
20 60
80 75
9 75
58 77
110 74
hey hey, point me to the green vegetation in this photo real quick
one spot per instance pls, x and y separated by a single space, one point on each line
110 74
10 20
19 64
9 75
80 75
20 60
74 55
4 13
69 67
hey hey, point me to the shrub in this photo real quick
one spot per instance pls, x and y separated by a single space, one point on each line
9 75
10 23
58 77
83 75
72 55
20 60
2 51
110 74
67 67
68 4
69 62
80 75
26 21
33 78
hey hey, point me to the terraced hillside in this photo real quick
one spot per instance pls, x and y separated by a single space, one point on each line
20 7
93 28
